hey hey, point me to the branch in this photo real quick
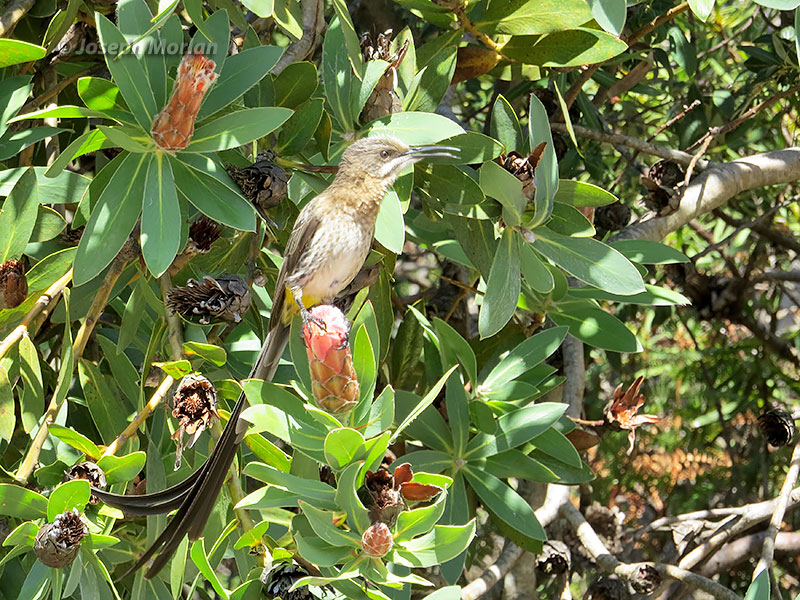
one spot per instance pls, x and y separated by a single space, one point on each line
606 561
53 292
745 548
313 23
716 186
15 11
676 156
768 550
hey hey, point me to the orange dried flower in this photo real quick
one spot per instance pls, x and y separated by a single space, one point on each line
333 378
173 127
621 411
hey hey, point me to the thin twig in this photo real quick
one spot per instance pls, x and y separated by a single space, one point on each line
140 418
607 562
53 292
676 156
781 502
175 334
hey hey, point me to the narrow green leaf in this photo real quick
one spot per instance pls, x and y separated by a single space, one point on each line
32 397
547 169
160 213
7 416
200 559
18 217
760 588
390 227
579 193
337 75
595 326
347 498
214 354
322 523
342 446
14 52
415 127
122 468
424 403
441 544
522 17
590 261
76 440
536 274
102 402
419 521
237 128
610 14
502 287
649 253
505 127
515 428
501 185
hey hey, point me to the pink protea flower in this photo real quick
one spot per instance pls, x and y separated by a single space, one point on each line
173 127
377 540
333 378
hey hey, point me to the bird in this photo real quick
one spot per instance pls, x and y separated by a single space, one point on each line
327 247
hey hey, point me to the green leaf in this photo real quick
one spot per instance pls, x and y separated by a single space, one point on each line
299 129
590 261
411 523
322 523
374 71
684 52
572 48
502 288
337 75
199 558
102 403
536 274
441 544
13 143
239 73
21 503
342 446
216 355
381 413
14 52
610 14
424 403
13 93
7 416
351 40
238 128
461 193
505 127
128 73
160 213
320 552
433 82
515 428
556 444
124 137
506 189
547 169
649 253
473 147
112 219
579 193
49 223
523 17
456 350
88 142
122 468
69 495
569 221
32 398
347 498
212 197
18 217
702 9
652 296
64 188
390 227
23 535
595 326
505 503
760 588
99 94
513 463
295 84
175 368
320 494
415 127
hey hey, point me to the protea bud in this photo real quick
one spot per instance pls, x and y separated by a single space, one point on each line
91 473
57 543
13 284
225 298
383 101
333 378
195 404
173 127
377 540
264 183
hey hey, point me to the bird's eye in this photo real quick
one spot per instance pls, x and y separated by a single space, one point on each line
384 154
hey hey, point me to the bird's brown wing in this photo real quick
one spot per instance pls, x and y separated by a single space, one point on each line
304 229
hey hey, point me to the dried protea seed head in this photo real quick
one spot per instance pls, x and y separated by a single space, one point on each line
225 298
607 588
265 183
173 127
612 217
280 580
386 501
195 404
554 558
524 168
204 232
58 543
333 378
645 579
777 425
90 472
13 284
383 101
377 540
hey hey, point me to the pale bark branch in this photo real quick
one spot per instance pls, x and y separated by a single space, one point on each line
718 184
313 24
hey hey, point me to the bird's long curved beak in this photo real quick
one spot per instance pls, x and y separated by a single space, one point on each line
423 152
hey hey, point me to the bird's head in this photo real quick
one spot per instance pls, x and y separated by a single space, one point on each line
384 157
